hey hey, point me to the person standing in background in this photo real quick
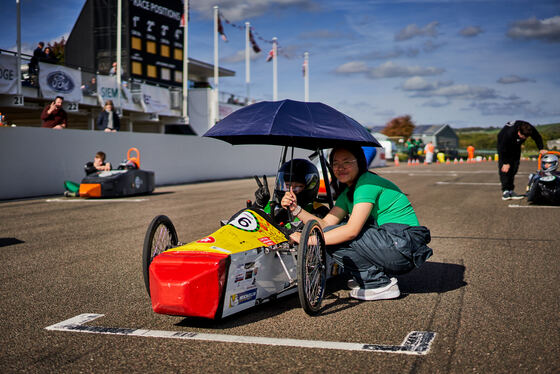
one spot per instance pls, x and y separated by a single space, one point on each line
510 139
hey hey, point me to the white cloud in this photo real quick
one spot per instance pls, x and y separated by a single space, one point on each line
412 31
392 70
464 91
509 79
470 31
240 10
420 84
239 56
547 29
352 67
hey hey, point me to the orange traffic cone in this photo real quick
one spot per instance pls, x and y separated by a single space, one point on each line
396 160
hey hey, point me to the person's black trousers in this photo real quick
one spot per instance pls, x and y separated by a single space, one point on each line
508 178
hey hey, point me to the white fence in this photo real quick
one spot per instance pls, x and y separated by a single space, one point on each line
37 161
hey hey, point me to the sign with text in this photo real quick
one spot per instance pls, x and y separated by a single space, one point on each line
156 99
107 89
8 74
156 41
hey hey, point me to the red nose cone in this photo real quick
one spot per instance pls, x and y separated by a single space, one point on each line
188 283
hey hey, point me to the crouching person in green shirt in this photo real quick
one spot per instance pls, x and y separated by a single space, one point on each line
381 238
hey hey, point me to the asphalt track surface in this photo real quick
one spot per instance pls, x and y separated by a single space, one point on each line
489 293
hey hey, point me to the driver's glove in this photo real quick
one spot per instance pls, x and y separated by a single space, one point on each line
262 194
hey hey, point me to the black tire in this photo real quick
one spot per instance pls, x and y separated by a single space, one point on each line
311 268
160 236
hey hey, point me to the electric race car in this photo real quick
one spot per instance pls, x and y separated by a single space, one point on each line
249 260
544 185
127 180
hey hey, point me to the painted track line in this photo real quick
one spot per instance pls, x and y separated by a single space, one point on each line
415 343
471 183
60 200
533 206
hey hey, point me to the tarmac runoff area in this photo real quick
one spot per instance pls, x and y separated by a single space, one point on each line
487 301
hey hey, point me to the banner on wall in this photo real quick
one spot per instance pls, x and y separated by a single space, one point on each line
107 90
8 74
58 80
156 99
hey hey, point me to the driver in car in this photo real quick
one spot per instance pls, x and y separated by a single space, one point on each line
299 176
544 186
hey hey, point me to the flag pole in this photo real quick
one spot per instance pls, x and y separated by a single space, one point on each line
185 62
119 48
18 70
216 83
247 59
306 75
274 69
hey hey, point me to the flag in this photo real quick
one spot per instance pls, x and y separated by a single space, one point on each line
304 68
182 22
270 55
221 29
256 48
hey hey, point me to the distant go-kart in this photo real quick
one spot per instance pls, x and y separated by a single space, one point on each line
127 180
249 260
544 188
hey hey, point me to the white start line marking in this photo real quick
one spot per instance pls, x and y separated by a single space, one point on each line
471 183
93 200
415 343
533 206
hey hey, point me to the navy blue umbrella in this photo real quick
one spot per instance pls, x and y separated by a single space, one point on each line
291 123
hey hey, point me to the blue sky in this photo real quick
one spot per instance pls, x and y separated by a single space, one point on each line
466 63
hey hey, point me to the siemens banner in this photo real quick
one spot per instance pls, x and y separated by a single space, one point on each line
156 41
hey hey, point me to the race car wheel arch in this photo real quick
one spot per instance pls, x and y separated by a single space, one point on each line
160 236
311 267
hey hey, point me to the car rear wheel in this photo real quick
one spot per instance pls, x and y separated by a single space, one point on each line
312 267
160 236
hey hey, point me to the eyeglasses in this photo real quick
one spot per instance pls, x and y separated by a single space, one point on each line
343 164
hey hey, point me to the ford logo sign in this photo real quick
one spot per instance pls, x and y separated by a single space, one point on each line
60 82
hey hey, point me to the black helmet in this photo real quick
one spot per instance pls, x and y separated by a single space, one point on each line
300 171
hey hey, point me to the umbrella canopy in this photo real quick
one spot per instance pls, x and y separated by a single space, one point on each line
291 123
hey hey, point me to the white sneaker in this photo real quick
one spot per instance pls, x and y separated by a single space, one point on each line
515 196
390 291
352 284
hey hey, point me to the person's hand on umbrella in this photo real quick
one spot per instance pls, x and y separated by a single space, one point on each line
262 194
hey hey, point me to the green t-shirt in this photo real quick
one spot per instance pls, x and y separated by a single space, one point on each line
389 203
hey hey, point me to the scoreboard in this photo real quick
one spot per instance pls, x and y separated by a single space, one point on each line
156 41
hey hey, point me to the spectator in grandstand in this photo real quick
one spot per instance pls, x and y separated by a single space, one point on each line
113 70
108 120
510 139
49 56
54 116
90 88
38 54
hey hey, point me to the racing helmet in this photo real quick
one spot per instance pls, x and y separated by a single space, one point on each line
302 172
549 158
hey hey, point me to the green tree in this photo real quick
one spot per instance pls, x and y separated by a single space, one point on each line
58 49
